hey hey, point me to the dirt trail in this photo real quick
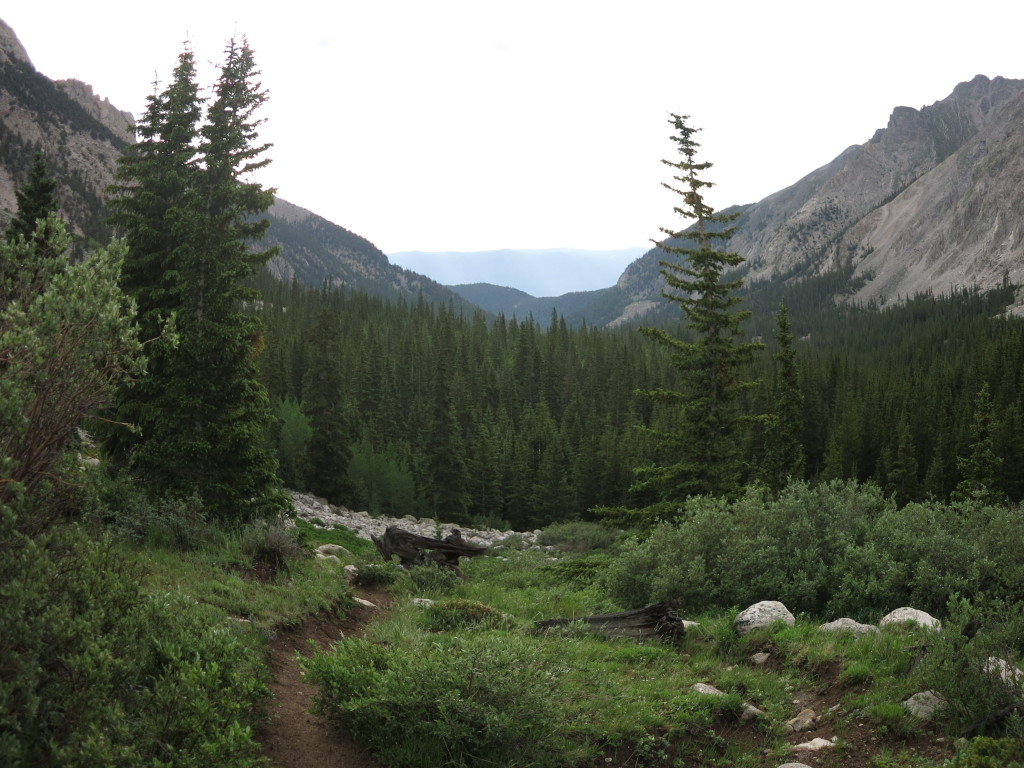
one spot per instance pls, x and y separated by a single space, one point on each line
293 736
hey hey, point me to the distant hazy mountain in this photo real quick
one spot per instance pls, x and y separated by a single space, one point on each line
537 272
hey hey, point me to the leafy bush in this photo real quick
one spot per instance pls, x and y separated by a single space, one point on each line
433 579
459 614
984 752
97 672
578 536
484 699
836 549
376 574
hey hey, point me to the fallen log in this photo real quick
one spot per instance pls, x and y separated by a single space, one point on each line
413 549
658 620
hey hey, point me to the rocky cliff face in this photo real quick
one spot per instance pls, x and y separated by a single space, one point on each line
932 202
79 135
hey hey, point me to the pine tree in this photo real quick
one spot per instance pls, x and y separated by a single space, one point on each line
784 457
37 199
980 467
190 216
702 455
329 450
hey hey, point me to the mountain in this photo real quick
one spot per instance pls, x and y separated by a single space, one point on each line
538 272
81 137
512 302
932 202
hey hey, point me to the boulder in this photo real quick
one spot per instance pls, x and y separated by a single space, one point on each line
911 615
814 745
802 722
762 614
848 625
925 704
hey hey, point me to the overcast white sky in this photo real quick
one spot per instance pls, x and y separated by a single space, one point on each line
448 125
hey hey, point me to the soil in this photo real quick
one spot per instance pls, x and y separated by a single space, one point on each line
294 736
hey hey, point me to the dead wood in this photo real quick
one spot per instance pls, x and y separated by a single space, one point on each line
413 549
658 620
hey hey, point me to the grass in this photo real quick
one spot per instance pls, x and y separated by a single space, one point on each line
633 704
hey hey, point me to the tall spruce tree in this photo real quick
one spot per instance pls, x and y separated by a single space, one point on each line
37 199
191 214
784 456
702 455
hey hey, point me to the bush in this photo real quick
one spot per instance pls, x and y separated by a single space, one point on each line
461 614
376 574
434 580
984 752
483 699
578 536
96 672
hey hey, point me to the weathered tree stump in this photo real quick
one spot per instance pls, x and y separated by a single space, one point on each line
413 549
658 620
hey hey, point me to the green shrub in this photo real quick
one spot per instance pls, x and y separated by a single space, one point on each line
431 579
97 672
460 614
483 699
578 536
984 752
376 574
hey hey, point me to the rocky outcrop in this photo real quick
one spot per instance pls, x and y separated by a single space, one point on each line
320 513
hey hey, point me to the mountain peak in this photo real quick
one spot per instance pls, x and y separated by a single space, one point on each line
10 45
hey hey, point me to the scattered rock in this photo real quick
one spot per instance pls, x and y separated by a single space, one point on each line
794 765
925 704
328 558
802 722
710 690
423 602
364 603
1006 672
760 659
848 625
762 614
333 549
750 712
907 615
351 572
814 745
688 625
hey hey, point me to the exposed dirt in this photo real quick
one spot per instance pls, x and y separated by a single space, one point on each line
293 736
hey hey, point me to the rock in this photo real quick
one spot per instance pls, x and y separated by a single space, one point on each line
794 765
925 704
710 690
362 602
802 722
351 572
750 712
333 549
1006 672
423 602
814 745
760 659
907 615
848 625
688 625
762 614
328 558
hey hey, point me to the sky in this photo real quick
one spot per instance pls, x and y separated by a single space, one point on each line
443 125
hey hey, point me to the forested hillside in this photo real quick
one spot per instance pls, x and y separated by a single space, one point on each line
471 418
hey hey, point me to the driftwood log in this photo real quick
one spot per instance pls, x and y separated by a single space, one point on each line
413 549
658 620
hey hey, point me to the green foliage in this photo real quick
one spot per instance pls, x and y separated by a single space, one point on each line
316 535
836 549
291 434
36 200
978 675
457 700
702 453
200 418
376 574
99 672
985 752
578 536
433 580
455 614
67 339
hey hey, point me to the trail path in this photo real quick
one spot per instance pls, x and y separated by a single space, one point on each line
294 736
